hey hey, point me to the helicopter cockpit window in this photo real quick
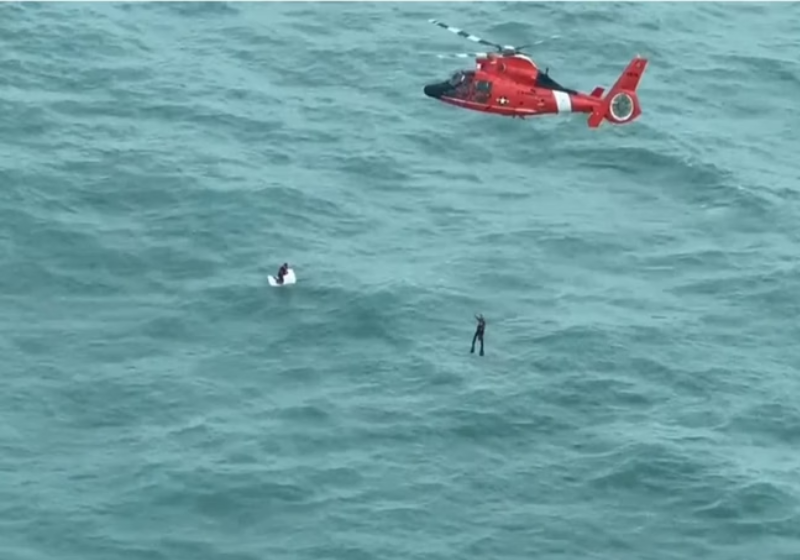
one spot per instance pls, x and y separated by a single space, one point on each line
484 87
456 78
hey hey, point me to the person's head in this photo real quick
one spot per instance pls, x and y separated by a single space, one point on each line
285 265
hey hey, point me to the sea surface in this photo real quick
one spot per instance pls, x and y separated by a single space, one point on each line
639 398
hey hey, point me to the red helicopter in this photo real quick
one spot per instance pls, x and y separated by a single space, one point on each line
509 83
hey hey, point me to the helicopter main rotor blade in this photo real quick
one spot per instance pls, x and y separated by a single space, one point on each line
464 55
464 34
539 42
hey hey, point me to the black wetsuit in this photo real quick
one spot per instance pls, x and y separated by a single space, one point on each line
478 335
281 273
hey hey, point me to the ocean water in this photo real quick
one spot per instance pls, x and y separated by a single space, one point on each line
639 394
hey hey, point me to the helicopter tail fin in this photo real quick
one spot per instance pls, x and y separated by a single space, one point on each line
621 104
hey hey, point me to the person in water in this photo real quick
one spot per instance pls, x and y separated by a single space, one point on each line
282 272
478 333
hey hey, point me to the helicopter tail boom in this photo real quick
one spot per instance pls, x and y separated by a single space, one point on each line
621 104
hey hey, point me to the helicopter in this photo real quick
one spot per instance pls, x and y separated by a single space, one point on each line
508 82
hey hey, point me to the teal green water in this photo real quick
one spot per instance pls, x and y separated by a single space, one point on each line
639 394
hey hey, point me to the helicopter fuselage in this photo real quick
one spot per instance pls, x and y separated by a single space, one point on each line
510 86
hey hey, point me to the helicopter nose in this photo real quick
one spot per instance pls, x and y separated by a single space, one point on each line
435 90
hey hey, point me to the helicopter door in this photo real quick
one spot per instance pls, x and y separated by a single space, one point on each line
483 91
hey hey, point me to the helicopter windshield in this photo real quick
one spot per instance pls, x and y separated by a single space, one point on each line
461 78
456 78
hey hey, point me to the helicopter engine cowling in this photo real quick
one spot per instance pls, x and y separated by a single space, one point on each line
518 68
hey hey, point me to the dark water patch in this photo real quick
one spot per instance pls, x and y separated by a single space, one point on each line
306 415
566 340
169 264
672 376
211 10
234 301
448 219
244 128
653 470
368 317
596 389
695 262
663 169
301 206
168 326
777 421
60 257
768 294
356 321
449 148
34 125
593 250
748 510
115 403
243 503
767 68
383 170
126 341
734 331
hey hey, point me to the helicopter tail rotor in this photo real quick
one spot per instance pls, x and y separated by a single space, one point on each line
621 104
